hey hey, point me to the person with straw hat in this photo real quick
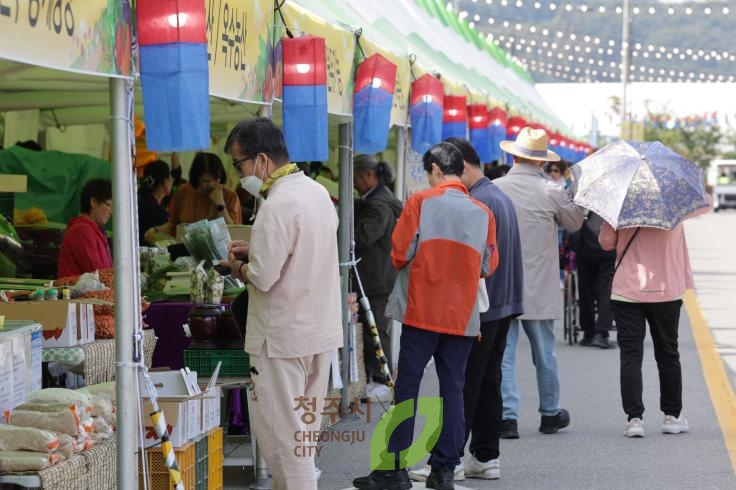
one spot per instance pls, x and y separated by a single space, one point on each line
540 206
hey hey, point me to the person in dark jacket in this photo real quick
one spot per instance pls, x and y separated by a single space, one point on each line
595 273
153 192
482 389
375 218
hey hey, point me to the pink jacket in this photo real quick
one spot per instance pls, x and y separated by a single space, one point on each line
656 267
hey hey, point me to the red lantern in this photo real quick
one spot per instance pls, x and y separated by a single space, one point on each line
166 21
455 109
497 116
554 139
514 125
304 61
378 72
478 116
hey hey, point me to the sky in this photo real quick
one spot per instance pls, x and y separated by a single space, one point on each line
576 103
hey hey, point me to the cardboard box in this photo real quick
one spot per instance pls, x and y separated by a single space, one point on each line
59 320
179 395
86 323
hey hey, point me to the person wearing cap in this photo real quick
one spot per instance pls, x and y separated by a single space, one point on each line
376 213
540 206
444 242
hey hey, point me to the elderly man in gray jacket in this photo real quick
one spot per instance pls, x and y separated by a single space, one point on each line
540 206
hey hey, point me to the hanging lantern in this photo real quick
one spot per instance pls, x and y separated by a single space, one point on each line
305 98
497 129
480 135
455 117
425 110
514 125
375 82
174 74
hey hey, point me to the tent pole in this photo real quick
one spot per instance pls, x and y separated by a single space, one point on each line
127 296
399 190
344 243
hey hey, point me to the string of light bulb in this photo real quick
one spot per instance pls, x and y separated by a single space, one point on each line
653 8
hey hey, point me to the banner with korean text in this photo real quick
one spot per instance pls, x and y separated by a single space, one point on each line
93 36
239 49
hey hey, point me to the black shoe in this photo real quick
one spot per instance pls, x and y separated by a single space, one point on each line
441 479
553 423
508 429
600 341
586 341
384 480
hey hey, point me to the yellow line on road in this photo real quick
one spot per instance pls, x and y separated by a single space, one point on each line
716 378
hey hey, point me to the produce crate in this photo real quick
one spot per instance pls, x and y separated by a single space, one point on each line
214 459
159 474
201 473
235 363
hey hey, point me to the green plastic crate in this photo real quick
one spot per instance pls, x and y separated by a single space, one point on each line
235 363
201 472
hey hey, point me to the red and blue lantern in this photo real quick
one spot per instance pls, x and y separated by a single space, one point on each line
455 118
375 82
305 98
425 111
174 73
480 134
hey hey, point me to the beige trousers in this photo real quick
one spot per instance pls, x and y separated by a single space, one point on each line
284 432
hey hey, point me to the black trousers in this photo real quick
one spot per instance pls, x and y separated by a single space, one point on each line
482 390
594 284
372 364
663 319
450 357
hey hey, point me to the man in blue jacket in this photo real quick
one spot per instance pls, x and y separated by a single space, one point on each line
482 390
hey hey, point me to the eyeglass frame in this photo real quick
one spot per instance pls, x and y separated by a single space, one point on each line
237 163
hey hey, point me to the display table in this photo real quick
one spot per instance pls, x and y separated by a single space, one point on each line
92 469
93 360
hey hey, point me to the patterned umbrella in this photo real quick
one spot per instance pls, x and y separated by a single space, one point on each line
633 183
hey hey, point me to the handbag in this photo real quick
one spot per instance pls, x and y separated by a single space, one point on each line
483 302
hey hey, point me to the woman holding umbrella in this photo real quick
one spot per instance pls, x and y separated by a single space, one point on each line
644 191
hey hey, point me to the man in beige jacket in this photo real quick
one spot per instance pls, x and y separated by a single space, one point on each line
294 314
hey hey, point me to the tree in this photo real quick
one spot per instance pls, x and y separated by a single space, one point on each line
697 141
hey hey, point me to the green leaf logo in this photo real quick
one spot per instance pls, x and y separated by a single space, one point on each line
431 408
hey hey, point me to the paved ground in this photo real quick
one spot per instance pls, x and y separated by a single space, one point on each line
592 453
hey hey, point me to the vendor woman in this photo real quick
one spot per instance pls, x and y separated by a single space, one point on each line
203 197
153 192
84 247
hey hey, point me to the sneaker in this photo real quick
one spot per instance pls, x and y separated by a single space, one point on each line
552 423
441 479
422 473
508 429
600 341
317 473
634 428
674 425
490 470
384 480
378 393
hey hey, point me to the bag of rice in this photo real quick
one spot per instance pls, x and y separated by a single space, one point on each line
14 438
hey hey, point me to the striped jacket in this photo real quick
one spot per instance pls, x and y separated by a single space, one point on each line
443 243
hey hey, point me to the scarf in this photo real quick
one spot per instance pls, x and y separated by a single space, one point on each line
277 174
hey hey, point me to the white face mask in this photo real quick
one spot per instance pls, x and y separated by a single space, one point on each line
252 185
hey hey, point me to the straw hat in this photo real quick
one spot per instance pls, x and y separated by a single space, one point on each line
531 144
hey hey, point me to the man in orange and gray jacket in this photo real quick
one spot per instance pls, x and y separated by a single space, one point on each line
443 243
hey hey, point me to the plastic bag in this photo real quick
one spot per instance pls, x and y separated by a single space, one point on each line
14 438
26 461
90 281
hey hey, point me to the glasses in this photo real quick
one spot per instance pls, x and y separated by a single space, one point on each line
239 161
107 203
